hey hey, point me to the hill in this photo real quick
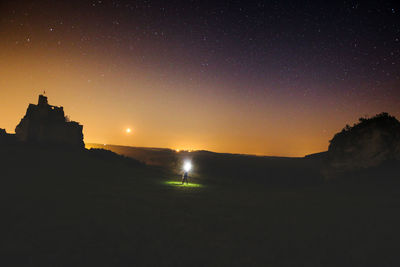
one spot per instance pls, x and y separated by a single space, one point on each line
95 208
369 150
214 167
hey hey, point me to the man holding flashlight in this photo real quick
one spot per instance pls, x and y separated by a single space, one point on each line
186 167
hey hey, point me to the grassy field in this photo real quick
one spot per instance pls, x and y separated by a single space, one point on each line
95 209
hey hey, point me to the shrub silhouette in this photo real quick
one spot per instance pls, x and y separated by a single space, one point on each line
367 143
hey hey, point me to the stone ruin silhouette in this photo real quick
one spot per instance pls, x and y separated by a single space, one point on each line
47 124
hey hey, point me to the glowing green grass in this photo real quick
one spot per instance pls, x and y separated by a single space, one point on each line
179 184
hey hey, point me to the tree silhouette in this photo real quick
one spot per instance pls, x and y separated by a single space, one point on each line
368 142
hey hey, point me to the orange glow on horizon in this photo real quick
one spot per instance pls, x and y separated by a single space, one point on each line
167 111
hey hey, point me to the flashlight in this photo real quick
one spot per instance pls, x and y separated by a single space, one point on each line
187 166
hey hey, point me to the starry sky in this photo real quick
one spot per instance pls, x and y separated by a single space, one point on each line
257 77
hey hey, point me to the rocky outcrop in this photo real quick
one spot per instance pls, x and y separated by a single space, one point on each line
46 124
368 143
6 138
3 136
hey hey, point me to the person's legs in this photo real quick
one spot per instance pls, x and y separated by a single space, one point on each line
184 179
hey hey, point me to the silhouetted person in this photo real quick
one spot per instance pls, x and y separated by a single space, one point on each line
185 178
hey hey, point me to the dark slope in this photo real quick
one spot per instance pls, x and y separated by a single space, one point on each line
82 208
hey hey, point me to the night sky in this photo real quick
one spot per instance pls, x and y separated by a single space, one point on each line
257 77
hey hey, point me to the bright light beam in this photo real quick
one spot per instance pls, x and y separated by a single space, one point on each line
187 166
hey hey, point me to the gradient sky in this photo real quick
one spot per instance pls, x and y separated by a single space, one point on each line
257 77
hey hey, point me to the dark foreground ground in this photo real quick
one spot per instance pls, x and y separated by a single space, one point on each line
94 209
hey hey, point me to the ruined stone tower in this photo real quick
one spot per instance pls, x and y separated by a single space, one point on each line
46 124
